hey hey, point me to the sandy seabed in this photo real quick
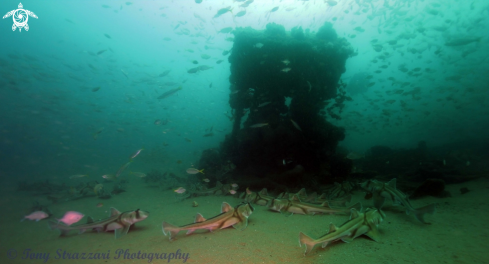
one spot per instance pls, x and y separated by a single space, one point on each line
457 234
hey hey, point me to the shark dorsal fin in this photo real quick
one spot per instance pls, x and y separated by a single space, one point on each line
199 218
332 228
302 192
281 195
225 207
114 211
264 192
354 213
295 197
323 196
392 183
89 220
326 204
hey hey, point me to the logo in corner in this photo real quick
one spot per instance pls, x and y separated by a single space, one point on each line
20 17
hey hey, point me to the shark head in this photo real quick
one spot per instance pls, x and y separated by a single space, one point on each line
277 204
134 216
245 209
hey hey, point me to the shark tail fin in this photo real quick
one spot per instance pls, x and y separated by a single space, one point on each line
306 240
420 212
53 225
171 230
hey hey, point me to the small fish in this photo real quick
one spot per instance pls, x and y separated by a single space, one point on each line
100 205
258 45
206 180
180 190
274 9
122 169
286 62
259 125
208 135
232 191
102 51
219 61
240 13
188 140
109 177
96 89
286 69
194 171
78 176
179 162
157 122
138 174
195 204
124 73
107 36
165 73
263 104
128 3
136 153
296 125
234 185
225 30
37 215
165 95
71 217
195 62
222 11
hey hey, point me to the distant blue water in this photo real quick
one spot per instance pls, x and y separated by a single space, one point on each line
49 112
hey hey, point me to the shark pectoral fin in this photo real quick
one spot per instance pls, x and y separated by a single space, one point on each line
373 234
241 225
325 244
121 231
347 239
420 212
190 231
308 241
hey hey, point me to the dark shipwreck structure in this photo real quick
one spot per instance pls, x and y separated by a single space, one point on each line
283 86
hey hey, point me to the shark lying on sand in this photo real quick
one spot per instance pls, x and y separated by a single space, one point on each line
117 222
260 198
359 224
382 190
295 206
229 216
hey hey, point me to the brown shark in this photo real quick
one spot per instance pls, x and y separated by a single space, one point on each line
381 191
260 198
229 216
295 206
117 222
359 224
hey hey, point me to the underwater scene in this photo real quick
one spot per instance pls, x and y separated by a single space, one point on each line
244 131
